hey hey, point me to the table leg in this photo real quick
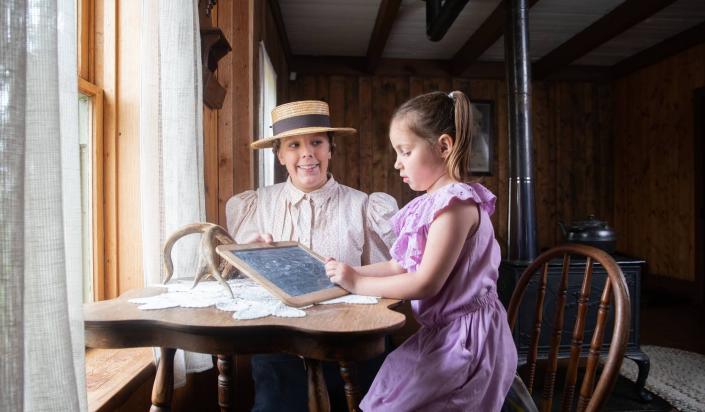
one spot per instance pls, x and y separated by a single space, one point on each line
317 391
225 389
163 388
352 391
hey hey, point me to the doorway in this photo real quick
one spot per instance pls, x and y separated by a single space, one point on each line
698 149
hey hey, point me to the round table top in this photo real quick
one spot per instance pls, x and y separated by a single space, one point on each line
329 331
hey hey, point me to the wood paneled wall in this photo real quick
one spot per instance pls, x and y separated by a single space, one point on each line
654 184
572 140
228 132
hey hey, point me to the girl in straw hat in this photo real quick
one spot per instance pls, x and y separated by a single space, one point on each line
446 261
314 209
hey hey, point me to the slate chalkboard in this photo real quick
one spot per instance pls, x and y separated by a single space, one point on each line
289 270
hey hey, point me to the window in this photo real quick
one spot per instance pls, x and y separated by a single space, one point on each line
85 105
267 102
90 118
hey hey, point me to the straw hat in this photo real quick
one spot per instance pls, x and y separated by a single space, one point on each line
297 118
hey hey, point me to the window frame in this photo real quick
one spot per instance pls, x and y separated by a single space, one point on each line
86 39
86 73
266 164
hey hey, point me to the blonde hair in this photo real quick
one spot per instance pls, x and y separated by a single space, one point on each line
433 114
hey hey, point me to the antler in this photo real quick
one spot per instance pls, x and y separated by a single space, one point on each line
208 258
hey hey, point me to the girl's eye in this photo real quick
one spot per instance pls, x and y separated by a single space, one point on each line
405 154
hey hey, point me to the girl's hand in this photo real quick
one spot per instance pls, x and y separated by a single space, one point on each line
260 238
341 274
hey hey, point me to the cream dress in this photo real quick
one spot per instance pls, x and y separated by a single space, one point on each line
335 220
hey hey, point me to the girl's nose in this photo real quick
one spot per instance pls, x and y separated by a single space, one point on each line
397 163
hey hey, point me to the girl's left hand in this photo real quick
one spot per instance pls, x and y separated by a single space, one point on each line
341 274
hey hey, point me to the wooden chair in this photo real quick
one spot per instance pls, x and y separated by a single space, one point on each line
593 392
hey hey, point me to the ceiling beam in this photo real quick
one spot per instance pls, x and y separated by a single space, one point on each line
387 13
423 68
281 28
482 39
623 17
667 48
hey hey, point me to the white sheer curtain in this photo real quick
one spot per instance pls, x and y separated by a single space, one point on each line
42 346
171 144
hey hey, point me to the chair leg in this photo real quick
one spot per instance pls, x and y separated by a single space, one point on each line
317 391
642 361
225 388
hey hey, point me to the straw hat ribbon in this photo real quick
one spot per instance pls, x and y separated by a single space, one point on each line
297 118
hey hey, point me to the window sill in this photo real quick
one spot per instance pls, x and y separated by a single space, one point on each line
112 375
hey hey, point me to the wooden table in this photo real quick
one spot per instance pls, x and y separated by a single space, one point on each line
341 332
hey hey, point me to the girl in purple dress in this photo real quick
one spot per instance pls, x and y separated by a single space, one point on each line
445 261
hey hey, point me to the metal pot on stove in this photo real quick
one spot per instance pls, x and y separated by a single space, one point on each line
591 231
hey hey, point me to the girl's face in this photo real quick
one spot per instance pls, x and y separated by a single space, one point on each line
306 159
420 163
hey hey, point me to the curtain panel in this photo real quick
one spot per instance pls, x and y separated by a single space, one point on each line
41 325
172 184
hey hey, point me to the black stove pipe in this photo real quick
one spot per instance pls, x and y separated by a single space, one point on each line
522 242
440 15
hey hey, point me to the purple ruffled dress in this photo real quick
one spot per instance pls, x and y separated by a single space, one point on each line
463 357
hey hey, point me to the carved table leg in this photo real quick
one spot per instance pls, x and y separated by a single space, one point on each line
642 361
163 388
225 389
317 391
352 392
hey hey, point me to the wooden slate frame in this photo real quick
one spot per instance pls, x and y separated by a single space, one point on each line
228 252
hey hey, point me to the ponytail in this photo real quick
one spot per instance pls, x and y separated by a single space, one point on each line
458 161
434 114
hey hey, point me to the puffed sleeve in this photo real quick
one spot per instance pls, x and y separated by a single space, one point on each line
379 235
241 216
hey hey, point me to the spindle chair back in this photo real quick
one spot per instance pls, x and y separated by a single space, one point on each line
614 297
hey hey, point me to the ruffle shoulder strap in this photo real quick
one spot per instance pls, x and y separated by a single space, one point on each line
412 222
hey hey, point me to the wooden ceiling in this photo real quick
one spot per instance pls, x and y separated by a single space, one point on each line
611 37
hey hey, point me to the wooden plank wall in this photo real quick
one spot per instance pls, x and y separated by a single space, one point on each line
228 132
572 141
654 168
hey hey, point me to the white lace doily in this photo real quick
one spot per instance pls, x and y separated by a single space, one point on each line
251 300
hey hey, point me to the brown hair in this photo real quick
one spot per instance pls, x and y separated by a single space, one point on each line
276 145
434 114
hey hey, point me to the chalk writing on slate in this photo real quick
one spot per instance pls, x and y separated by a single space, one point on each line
291 269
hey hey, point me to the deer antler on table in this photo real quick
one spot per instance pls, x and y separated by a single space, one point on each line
208 261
